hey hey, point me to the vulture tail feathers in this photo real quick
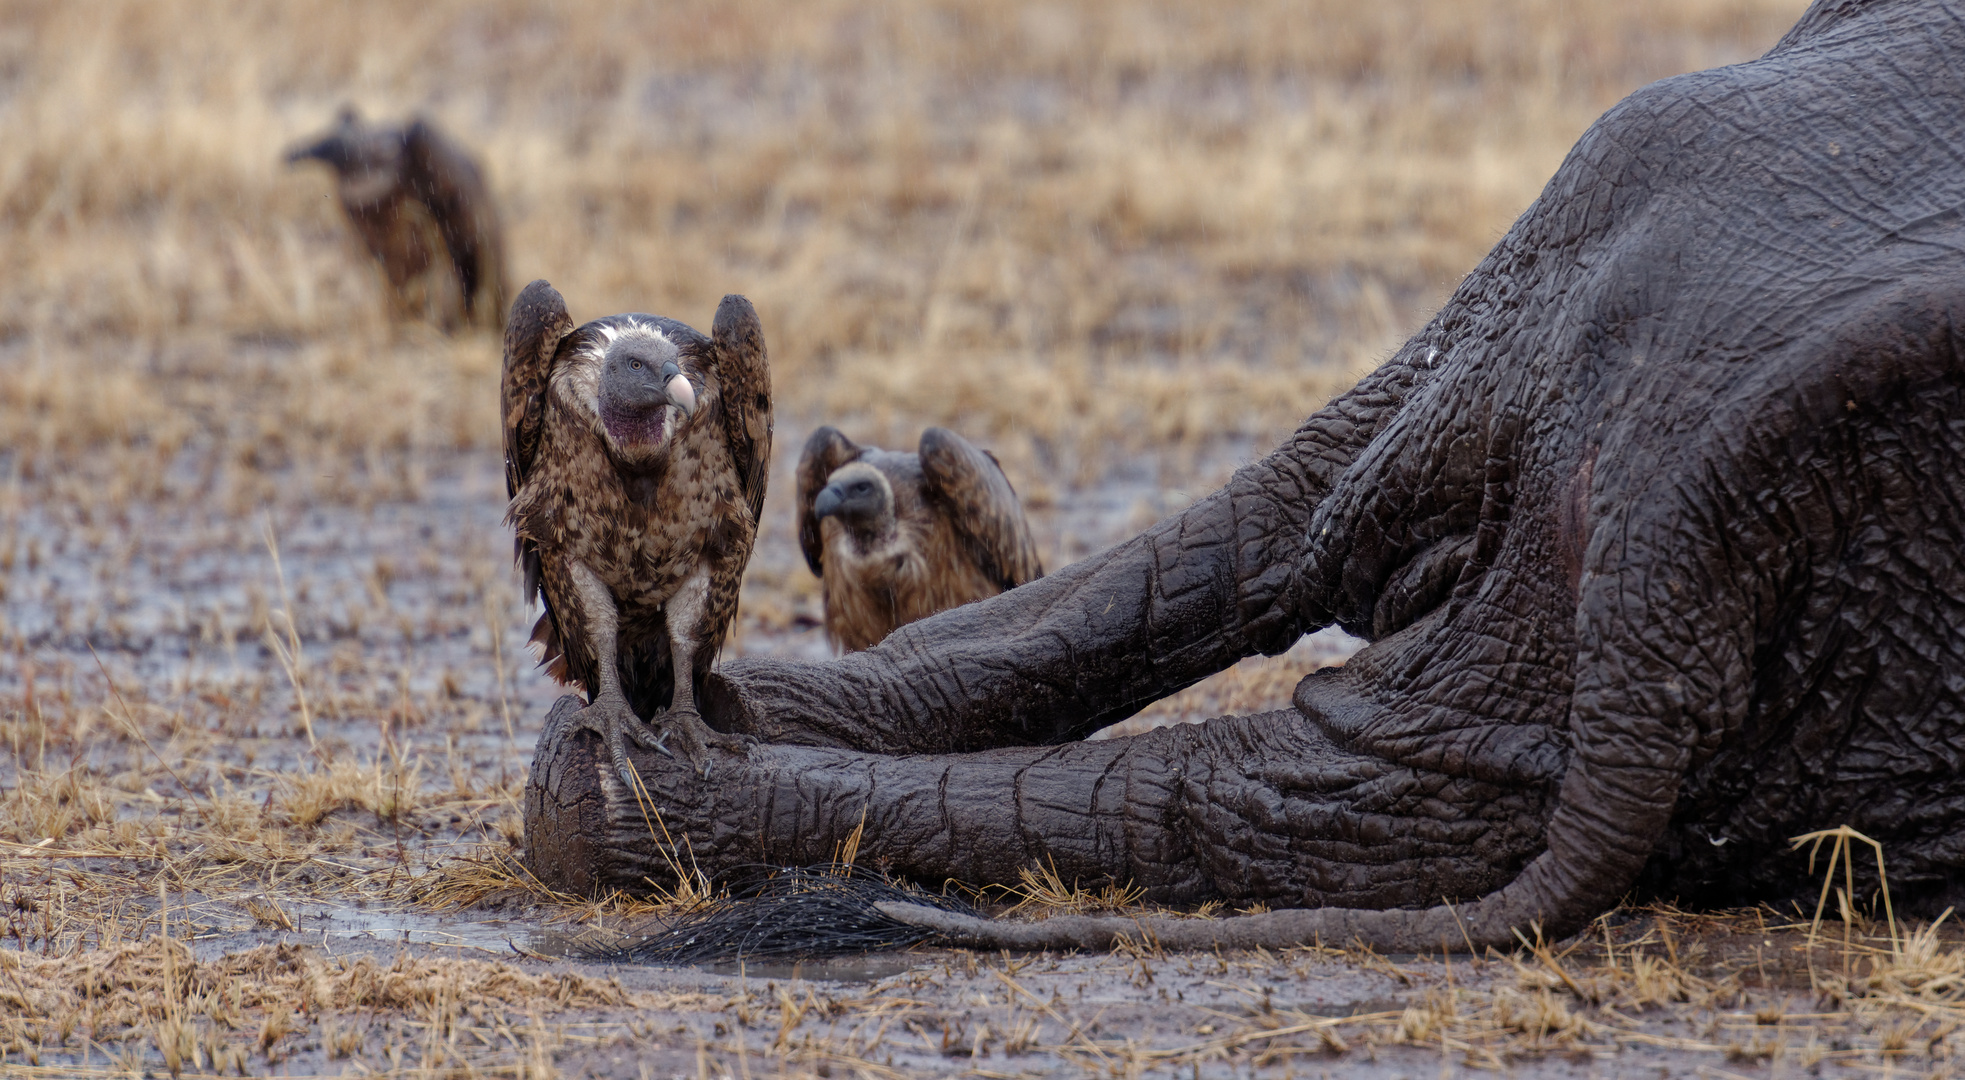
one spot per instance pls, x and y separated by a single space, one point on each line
545 642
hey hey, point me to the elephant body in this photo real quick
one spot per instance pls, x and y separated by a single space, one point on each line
1657 532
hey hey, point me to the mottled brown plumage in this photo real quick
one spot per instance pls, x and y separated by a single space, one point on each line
412 193
896 537
636 452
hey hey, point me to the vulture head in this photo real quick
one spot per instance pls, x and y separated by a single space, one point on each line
645 394
368 160
862 500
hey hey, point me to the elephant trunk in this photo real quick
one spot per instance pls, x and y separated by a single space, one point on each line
1085 647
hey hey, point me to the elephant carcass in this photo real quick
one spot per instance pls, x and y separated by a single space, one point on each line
1657 530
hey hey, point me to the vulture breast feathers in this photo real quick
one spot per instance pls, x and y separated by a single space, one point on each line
636 451
896 537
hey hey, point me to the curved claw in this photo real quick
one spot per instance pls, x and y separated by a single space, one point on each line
616 723
614 720
695 739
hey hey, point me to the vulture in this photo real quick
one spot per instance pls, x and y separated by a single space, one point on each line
413 194
636 452
895 537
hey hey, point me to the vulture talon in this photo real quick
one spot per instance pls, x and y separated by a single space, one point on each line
614 720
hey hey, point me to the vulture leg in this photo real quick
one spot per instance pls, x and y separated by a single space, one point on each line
689 621
608 715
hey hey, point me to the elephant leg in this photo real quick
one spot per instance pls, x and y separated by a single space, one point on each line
1239 809
1091 644
1539 841
1709 570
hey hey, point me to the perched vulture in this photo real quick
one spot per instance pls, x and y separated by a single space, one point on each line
636 452
896 537
411 193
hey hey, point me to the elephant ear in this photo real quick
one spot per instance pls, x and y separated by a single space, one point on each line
968 487
825 452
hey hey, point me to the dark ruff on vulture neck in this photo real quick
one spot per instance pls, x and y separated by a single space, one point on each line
636 451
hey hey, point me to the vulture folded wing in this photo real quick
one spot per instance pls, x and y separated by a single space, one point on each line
744 376
533 333
538 324
824 453
969 486
447 181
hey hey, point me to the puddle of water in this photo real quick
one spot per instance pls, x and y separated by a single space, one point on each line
1339 1010
860 968
318 921
848 969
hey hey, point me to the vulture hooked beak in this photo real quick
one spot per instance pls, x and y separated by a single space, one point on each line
827 504
854 494
676 386
319 151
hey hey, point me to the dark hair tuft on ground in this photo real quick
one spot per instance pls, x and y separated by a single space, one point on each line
784 913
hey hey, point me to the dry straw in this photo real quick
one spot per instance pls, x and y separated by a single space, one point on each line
1846 895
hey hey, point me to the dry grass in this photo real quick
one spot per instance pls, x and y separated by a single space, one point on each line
1058 229
1041 892
1125 244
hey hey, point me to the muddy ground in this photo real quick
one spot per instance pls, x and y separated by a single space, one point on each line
261 795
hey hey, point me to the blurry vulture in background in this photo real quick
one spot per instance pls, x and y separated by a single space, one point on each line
896 537
636 452
415 197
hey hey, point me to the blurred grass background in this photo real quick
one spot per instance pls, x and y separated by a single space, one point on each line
1079 232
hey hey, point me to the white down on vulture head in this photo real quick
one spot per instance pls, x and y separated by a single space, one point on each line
642 393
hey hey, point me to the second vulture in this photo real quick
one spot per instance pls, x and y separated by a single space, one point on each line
896 537
415 196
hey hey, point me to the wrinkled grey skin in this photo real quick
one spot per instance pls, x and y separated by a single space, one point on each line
1657 530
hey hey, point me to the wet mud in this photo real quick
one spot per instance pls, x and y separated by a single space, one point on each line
387 641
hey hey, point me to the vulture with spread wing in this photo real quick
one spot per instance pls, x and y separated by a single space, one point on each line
896 537
636 452
412 194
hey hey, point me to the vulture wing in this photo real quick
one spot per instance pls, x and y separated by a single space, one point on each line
969 486
825 452
538 324
744 379
446 180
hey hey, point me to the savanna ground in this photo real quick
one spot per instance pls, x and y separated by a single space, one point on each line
263 695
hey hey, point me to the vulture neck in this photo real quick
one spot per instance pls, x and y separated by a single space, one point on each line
643 471
870 538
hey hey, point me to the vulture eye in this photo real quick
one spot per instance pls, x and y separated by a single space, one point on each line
635 364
